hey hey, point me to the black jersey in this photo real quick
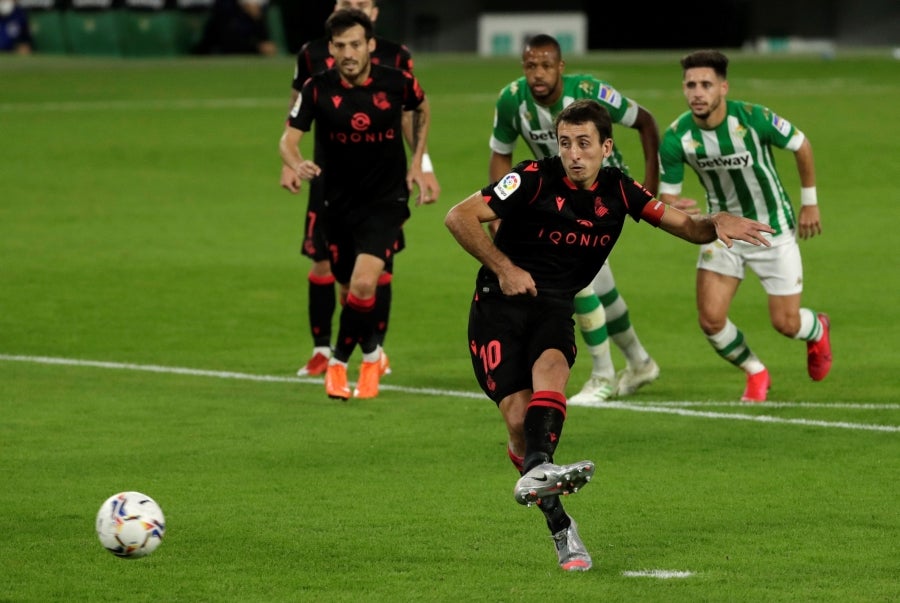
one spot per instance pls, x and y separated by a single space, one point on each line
359 130
314 57
557 232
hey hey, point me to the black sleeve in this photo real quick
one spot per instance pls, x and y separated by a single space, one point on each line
519 186
302 68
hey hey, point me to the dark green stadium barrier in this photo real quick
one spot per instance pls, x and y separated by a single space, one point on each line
148 33
122 31
275 23
93 32
189 29
48 32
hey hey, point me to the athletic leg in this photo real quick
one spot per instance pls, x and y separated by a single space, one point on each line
321 302
618 320
640 368
358 324
780 271
591 319
714 295
383 298
543 481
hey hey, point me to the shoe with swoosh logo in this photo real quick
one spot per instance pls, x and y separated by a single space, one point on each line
548 479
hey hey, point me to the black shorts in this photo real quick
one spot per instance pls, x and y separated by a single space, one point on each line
508 334
315 241
376 231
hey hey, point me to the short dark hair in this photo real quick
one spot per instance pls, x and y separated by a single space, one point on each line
713 59
542 40
342 20
586 110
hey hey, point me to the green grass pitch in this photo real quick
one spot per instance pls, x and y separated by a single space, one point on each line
153 313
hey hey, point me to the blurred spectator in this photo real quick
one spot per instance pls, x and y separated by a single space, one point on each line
15 34
237 27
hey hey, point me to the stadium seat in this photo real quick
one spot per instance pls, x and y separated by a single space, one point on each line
93 32
148 33
47 31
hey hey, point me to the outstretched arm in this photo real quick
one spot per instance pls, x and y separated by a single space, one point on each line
709 227
688 206
464 220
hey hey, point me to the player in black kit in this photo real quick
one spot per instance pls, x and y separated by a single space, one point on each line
358 110
314 57
559 220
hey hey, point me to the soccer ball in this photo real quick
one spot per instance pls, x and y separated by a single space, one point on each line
130 524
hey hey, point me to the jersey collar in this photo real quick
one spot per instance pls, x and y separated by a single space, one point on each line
572 185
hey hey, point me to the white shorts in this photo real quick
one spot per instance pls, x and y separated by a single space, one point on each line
778 267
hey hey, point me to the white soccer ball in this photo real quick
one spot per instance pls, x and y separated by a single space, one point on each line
130 524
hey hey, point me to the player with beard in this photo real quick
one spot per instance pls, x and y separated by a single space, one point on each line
728 143
314 57
358 110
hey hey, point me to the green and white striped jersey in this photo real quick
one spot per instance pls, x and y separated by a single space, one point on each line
517 114
734 162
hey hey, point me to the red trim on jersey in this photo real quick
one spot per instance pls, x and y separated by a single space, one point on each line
538 193
623 194
348 85
574 187
653 212
385 278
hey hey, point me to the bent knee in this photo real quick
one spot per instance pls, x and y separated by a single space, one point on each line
711 326
787 325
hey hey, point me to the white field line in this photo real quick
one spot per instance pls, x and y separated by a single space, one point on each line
661 574
145 105
179 104
672 407
740 417
795 88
